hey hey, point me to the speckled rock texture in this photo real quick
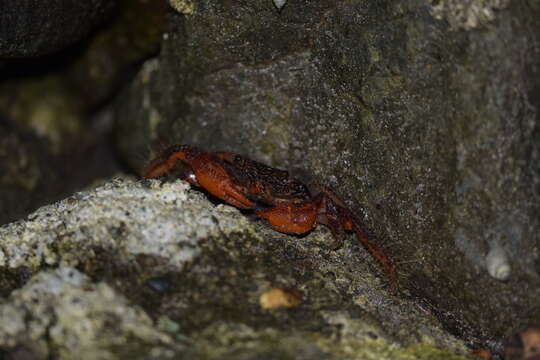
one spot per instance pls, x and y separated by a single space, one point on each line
71 220
467 14
31 28
78 318
155 270
422 115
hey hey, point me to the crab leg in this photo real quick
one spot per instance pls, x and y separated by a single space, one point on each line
167 159
207 171
325 208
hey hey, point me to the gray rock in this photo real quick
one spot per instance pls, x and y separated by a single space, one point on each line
428 130
164 273
141 218
30 28
74 316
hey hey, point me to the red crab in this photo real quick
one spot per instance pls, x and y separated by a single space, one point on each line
286 203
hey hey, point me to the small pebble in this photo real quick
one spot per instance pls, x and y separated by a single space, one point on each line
276 298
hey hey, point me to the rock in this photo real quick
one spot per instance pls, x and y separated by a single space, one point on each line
32 173
54 107
422 116
75 316
34 28
114 53
76 277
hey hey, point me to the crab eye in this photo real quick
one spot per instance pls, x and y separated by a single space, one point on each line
192 177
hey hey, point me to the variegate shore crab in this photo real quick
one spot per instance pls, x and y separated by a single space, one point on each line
285 203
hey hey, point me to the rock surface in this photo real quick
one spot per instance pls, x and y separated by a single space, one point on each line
30 28
63 310
154 270
422 115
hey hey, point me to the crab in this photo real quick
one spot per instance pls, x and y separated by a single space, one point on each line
285 203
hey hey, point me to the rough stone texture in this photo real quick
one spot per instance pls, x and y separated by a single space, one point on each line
185 7
31 28
62 313
91 212
467 14
197 270
429 131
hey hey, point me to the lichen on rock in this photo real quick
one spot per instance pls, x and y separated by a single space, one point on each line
132 218
185 7
468 15
77 317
